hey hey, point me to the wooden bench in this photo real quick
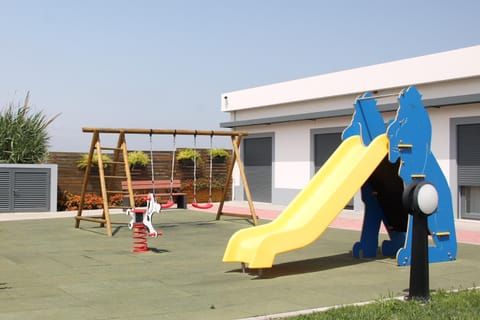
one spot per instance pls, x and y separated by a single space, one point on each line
162 190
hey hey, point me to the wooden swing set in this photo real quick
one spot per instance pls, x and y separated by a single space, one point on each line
120 157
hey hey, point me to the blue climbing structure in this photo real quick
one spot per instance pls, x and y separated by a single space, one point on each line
410 159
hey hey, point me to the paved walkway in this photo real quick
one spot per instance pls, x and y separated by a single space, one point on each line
468 231
50 270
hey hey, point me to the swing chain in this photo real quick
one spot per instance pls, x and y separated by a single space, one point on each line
173 165
195 204
195 167
151 163
211 169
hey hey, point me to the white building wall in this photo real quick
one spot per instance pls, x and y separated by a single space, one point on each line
437 77
442 146
444 142
443 66
291 157
458 87
301 107
292 168
293 162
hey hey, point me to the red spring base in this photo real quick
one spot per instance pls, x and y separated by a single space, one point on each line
139 238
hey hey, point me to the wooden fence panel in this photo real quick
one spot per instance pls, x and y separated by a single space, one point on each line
70 177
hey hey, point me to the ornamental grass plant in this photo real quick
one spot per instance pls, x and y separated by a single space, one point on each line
23 134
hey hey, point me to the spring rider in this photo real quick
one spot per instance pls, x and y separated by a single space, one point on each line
141 223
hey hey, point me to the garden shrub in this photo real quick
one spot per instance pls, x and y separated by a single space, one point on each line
23 134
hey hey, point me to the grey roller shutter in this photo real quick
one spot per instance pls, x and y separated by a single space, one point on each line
258 167
468 155
325 145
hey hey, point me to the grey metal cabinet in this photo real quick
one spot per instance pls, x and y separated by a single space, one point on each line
27 189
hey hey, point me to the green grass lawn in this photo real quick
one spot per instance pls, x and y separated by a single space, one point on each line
456 305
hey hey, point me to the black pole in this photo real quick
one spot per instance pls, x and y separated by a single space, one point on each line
420 199
419 268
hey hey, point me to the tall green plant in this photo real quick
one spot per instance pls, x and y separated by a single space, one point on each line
23 134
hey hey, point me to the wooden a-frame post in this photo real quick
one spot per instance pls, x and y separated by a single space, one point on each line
236 140
120 156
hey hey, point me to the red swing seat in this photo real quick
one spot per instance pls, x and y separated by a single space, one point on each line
167 205
202 205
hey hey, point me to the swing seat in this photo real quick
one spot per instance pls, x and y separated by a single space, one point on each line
202 206
168 204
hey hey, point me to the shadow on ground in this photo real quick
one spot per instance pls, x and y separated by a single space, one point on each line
307 266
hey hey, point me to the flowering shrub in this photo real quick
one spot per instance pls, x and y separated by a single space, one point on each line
116 200
91 201
187 184
69 201
140 201
218 183
202 183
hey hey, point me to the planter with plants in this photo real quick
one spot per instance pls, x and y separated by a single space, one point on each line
83 162
187 156
138 160
219 155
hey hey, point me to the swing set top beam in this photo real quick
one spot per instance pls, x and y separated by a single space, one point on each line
166 131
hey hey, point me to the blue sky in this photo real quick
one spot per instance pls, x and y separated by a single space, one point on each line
165 64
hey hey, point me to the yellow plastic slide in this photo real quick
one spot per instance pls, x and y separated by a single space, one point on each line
310 213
